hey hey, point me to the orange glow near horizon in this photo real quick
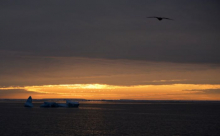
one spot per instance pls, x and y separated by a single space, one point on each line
103 91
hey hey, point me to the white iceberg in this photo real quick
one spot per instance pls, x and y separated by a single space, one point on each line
28 102
54 104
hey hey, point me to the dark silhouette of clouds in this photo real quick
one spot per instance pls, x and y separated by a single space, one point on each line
36 70
13 92
113 29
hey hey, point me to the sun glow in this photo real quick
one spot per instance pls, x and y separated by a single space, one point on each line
86 86
103 91
46 88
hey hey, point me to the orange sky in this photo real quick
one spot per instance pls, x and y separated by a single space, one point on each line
86 78
101 91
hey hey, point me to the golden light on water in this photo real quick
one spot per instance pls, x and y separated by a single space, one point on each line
103 91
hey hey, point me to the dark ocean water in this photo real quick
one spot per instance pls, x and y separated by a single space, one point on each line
110 118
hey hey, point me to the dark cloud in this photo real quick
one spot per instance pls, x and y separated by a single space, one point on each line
27 70
7 93
113 29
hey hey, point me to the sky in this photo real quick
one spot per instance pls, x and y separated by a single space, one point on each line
110 50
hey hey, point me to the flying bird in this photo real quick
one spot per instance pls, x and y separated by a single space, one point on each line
160 18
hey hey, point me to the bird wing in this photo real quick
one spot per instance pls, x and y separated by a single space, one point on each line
167 18
152 17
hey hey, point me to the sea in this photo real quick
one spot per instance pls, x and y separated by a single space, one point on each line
112 118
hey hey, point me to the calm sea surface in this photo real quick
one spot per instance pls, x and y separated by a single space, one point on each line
112 118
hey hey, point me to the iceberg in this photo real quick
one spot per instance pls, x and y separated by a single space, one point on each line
72 104
28 103
49 104
54 104
62 104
